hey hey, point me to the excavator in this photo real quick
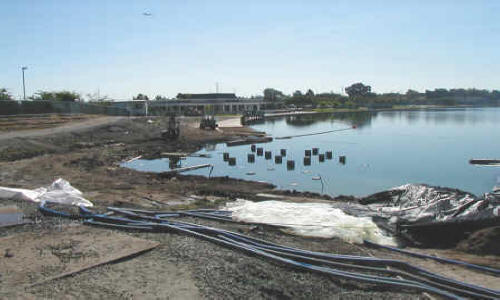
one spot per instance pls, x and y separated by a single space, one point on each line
173 129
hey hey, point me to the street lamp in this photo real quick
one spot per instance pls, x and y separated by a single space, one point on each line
24 88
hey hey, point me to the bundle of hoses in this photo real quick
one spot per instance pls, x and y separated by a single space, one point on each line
387 272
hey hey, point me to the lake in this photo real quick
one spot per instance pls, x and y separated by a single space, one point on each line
387 149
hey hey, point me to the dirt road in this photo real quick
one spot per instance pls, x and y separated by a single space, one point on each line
68 127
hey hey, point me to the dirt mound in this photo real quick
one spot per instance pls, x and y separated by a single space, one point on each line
484 241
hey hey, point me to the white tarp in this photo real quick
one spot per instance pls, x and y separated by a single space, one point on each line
60 191
309 219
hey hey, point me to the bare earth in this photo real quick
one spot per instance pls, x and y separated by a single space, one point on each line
88 153
11 127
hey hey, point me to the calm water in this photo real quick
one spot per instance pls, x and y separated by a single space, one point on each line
387 149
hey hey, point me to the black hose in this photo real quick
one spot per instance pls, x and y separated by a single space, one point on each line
431 282
364 260
473 290
371 269
496 272
317 269
374 262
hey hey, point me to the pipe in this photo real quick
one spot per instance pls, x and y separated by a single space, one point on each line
315 133
260 247
436 258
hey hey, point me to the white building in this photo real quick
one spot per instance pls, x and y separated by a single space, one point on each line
192 104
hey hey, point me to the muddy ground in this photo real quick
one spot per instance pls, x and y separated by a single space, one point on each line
181 267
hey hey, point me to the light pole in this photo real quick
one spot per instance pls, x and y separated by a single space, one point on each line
24 88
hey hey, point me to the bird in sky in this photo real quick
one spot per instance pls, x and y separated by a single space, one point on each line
147 14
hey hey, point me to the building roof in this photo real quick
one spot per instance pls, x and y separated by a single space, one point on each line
207 96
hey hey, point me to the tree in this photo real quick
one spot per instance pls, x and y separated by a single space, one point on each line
309 93
412 94
272 94
65 96
495 94
358 90
297 94
160 97
140 97
5 95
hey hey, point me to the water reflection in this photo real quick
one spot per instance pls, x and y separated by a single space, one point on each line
174 162
358 119
444 116
364 119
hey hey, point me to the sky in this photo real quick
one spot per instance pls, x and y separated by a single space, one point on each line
188 46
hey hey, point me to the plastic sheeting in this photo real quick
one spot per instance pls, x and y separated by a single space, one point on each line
309 219
420 203
60 191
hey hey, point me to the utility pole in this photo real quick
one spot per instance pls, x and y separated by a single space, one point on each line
24 87
217 87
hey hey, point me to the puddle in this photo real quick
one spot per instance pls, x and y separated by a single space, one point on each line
11 215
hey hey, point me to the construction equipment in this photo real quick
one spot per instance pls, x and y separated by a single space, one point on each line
173 129
208 120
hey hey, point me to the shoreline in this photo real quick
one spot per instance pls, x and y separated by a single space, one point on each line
365 109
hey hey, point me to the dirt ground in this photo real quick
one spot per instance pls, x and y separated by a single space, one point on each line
181 267
37 122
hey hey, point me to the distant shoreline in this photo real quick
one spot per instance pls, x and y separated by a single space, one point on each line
366 109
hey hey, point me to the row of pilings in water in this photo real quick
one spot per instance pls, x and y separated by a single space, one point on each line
278 159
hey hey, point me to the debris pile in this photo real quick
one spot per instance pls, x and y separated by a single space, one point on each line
60 191
420 203
434 216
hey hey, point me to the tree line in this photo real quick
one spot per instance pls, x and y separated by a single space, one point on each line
356 95
69 96
359 94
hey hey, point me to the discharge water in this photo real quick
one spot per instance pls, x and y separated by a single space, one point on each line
387 149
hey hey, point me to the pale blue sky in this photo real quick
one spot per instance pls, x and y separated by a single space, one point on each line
187 46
